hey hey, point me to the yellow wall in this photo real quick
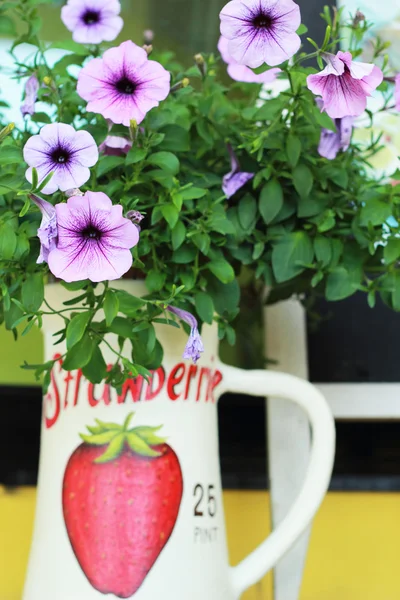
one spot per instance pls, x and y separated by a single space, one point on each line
354 551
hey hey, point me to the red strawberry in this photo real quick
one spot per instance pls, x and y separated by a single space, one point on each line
121 495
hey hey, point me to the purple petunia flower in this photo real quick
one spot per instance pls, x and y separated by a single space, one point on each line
241 72
94 239
194 345
124 84
235 179
397 91
92 21
115 145
344 85
47 232
31 90
331 142
261 31
66 152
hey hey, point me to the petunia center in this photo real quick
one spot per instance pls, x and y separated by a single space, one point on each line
91 17
60 155
125 86
262 21
91 233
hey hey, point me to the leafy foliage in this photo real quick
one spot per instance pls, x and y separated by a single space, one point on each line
303 224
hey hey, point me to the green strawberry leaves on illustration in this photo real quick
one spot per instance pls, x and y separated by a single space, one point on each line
139 439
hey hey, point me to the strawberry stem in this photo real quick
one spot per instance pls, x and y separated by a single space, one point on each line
115 437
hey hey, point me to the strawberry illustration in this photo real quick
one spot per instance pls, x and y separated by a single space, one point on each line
121 495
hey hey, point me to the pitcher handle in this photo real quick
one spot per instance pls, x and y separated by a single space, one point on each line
305 395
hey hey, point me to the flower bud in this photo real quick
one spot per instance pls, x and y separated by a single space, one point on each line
180 84
133 128
73 192
148 36
358 18
47 80
6 131
201 64
136 217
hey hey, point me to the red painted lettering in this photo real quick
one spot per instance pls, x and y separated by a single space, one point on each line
69 377
203 371
54 395
175 377
214 381
192 371
93 401
77 384
134 386
153 390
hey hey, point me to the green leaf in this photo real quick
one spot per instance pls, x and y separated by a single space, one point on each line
184 255
108 163
339 284
32 292
192 193
135 155
44 182
293 149
99 439
155 280
204 307
122 327
8 241
114 448
166 161
302 29
202 241
271 200
290 254
247 211
375 211
176 139
80 354
128 304
110 306
225 296
178 235
222 270
139 446
170 214
96 369
148 434
77 327
41 117
391 251
323 250
302 180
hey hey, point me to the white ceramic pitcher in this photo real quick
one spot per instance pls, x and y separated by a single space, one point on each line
151 527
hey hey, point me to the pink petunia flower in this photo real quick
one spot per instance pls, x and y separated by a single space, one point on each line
235 179
261 31
94 239
115 145
194 346
397 91
332 142
31 91
47 232
241 72
345 85
124 84
66 152
92 21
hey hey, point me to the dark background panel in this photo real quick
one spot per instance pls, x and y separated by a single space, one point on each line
354 343
367 455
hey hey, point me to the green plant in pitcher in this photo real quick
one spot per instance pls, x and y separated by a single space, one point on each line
127 164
